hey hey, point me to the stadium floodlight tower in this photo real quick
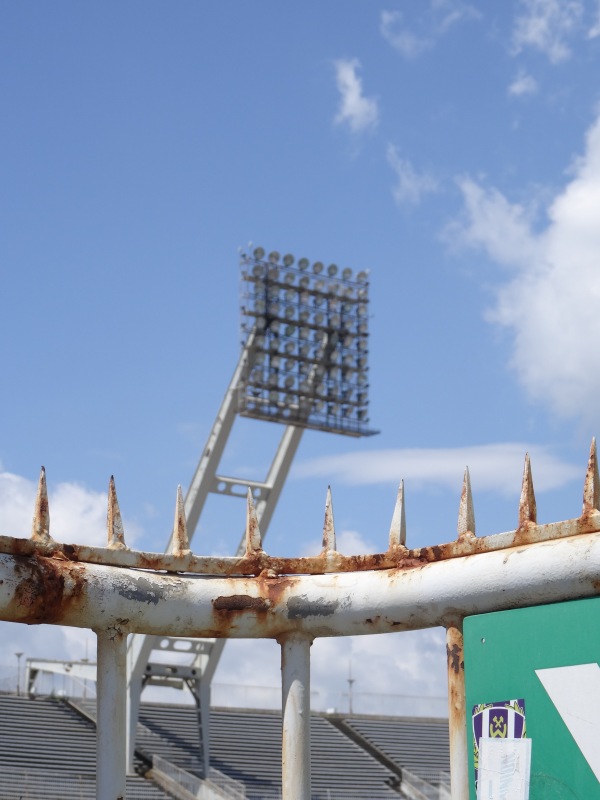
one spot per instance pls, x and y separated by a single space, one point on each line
304 363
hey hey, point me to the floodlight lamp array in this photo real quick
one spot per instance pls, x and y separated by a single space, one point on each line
305 331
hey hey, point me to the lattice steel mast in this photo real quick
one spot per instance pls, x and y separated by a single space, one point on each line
303 363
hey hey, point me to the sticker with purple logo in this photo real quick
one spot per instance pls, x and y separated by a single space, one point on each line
500 720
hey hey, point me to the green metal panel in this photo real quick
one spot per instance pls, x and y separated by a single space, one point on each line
502 652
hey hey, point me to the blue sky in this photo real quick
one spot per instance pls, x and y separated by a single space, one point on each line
452 148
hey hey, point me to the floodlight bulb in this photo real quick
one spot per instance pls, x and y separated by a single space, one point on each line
361 362
347 274
288 260
258 253
275 327
363 345
290 330
319 301
348 361
289 382
290 278
290 346
304 386
332 270
320 286
318 267
304 282
259 341
319 405
335 320
258 270
362 310
260 306
304 316
304 350
274 256
261 323
363 327
321 389
275 362
260 358
361 379
320 371
304 333
290 295
362 276
303 263
273 273
333 409
319 317
273 396
289 365
334 373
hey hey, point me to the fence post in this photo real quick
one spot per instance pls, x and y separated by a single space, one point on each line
111 726
295 686
459 778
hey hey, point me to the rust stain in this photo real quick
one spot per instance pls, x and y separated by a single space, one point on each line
454 656
49 587
240 602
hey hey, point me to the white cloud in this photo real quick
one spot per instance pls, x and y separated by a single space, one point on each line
439 17
494 467
523 84
404 41
399 673
547 25
550 304
359 112
77 514
410 186
594 31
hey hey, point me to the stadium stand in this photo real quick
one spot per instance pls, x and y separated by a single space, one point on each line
419 744
47 750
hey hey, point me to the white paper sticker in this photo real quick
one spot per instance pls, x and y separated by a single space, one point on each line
504 769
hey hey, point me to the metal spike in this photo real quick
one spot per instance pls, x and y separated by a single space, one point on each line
591 488
527 506
180 542
466 512
114 523
253 536
40 529
398 526
328 526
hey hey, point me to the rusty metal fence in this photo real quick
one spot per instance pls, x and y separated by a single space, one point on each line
116 591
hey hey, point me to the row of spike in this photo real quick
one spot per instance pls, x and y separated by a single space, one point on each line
397 536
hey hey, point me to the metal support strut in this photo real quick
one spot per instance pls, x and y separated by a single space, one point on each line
295 691
111 714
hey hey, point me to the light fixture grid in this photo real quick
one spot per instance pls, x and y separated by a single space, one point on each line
306 335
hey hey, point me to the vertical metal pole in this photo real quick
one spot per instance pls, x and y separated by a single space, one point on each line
459 778
111 717
295 686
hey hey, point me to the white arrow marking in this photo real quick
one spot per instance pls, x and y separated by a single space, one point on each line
575 691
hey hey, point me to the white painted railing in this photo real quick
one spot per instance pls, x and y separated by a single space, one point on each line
117 591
